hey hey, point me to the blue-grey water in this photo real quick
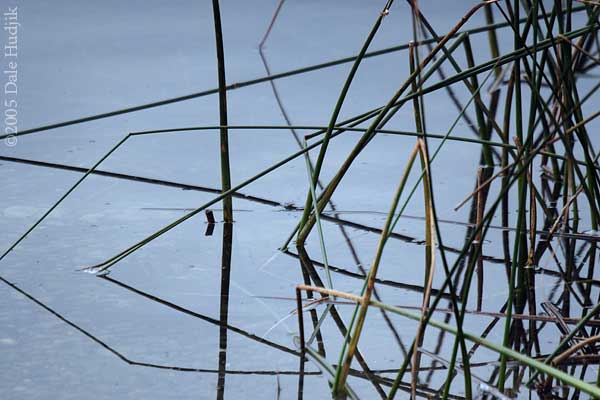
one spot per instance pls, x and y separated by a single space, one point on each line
65 334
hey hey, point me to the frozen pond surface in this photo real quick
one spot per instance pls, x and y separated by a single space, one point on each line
151 328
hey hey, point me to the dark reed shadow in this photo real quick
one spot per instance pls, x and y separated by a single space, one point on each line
224 305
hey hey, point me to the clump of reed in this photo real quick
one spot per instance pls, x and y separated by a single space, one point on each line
549 55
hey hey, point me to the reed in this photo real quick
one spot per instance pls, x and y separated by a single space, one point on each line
224 138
